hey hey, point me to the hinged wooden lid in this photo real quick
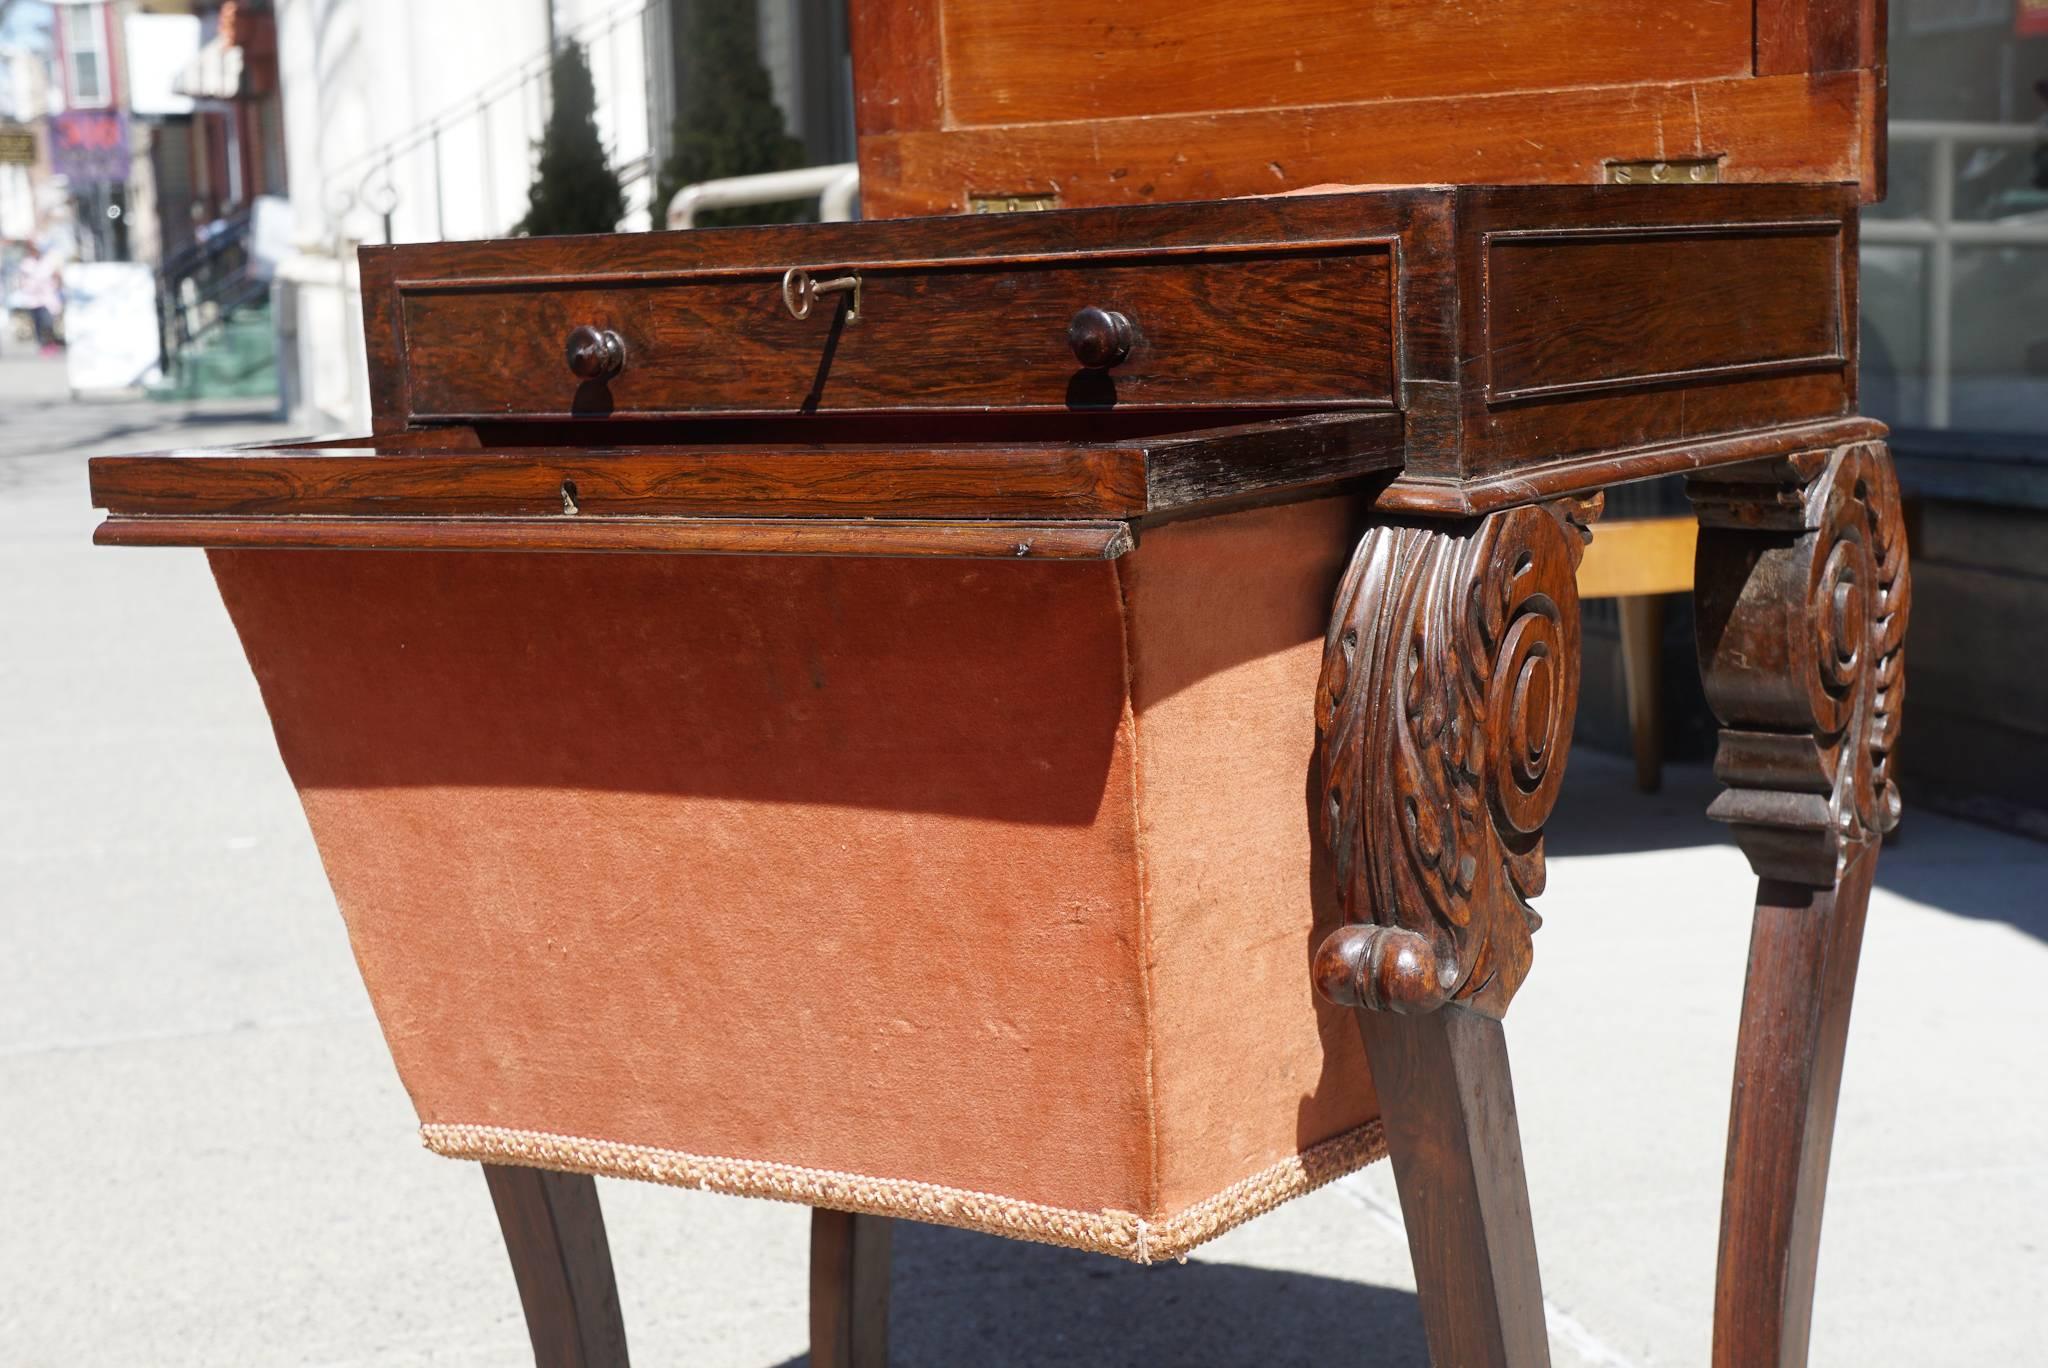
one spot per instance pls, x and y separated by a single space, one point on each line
966 104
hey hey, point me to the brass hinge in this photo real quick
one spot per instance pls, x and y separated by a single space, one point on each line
1687 171
1010 204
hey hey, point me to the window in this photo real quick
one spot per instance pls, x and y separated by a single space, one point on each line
87 85
1955 262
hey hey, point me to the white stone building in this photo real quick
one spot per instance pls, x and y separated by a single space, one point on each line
415 120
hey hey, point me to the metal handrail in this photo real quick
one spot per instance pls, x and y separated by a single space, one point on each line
834 186
228 233
199 288
1940 233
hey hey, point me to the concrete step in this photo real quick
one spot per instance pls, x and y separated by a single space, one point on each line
236 360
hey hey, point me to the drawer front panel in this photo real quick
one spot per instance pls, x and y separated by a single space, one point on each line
1264 328
1585 311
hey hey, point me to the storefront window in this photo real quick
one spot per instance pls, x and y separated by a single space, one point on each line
1955 262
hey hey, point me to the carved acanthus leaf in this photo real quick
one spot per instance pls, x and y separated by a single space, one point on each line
1444 714
1802 600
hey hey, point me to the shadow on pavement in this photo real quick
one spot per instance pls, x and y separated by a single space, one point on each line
1599 811
959 1298
1968 871
1937 861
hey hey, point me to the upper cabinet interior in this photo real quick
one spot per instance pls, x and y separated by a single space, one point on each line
994 105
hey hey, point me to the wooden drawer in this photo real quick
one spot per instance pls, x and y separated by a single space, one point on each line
1244 308
1207 330
1438 350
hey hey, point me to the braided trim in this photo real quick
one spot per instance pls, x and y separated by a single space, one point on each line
1121 1233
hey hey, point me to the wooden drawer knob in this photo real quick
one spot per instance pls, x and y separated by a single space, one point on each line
1100 337
596 354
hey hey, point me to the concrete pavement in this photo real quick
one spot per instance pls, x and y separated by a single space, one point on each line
206 1159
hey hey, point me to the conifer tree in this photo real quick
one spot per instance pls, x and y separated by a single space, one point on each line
575 190
727 121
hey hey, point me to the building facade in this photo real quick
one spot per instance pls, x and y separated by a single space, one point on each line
410 122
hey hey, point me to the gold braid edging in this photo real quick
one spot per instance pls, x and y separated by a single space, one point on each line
1123 1234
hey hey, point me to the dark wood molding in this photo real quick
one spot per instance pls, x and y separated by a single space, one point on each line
1046 480
554 1235
1443 721
1553 478
1180 473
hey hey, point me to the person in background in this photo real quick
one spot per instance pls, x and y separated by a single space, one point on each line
39 288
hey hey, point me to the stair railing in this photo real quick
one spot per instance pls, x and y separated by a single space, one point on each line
200 288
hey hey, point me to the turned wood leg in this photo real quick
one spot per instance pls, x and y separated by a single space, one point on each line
554 1233
1642 655
1443 718
1803 593
849 1290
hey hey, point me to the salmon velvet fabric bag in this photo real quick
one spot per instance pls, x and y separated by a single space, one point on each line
974 892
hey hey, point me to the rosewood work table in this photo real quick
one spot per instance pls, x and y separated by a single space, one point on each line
896 716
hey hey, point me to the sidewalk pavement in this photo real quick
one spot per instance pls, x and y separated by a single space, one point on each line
206 1159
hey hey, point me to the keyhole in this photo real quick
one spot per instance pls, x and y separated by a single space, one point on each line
569 496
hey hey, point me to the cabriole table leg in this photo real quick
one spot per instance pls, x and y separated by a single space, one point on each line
1457 1153
1444 715
1802 599
554 1234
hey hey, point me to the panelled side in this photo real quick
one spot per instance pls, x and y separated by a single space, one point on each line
1598 319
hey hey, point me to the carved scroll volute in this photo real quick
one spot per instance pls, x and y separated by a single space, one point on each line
1802 600
1443 718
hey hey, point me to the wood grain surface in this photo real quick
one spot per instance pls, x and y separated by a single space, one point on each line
1274 300
1803 953
1168 473
1049 62
1768 129
1666 256
1578 311
1819 35
1448 1102
1048 481
1312 326
976 539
